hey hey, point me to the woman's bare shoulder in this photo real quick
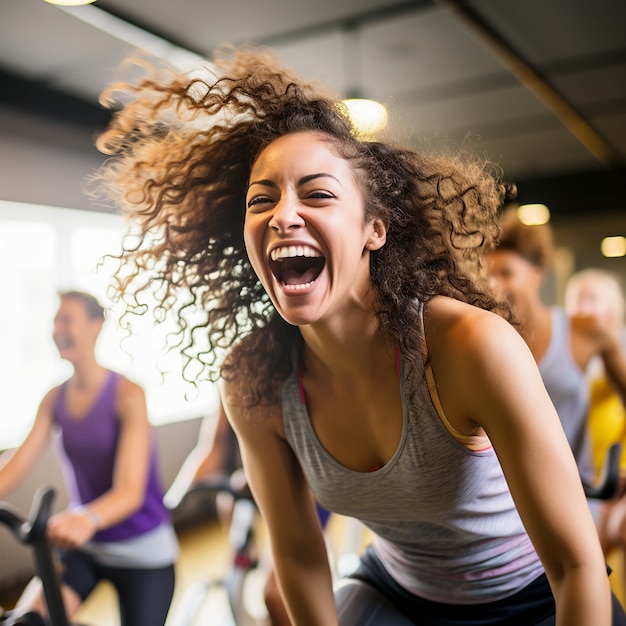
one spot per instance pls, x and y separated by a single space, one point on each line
261 417
446 315
459 334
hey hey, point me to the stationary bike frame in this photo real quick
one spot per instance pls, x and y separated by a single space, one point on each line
32 532
241 538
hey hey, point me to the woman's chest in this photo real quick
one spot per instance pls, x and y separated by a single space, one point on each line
361 427
80 403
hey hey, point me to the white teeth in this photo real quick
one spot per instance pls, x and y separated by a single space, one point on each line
297 287
286 252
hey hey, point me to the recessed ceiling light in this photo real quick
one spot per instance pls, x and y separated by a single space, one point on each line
613 247
69 3
533 214
368 116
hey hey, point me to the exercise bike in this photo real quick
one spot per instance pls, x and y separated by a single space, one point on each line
32 532
244 559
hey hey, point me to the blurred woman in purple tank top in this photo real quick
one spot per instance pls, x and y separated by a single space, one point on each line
116 527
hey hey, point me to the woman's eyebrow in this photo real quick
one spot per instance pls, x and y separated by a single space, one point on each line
305 179
264 182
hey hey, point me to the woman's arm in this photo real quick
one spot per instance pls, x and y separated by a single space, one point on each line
487 376
209 456
14 465
284 499
614 359
596 335
73 528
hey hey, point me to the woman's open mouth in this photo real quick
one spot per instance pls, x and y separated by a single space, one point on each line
296 267
62 342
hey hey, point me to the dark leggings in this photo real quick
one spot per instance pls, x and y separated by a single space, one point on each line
532 606
144 594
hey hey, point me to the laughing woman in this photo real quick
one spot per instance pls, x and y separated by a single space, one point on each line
116 527
363 357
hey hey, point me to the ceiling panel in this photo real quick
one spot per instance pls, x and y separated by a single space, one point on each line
444 66
205 24
551 30
319 58
604 84
425 49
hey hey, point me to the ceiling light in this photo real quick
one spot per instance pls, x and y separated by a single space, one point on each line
533 214
368 116
613 246
69 3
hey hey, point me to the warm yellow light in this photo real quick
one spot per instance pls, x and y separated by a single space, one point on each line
368 116
533 214
69 3
613 246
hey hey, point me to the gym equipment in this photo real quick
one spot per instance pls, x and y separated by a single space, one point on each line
32 532
609 477
241 538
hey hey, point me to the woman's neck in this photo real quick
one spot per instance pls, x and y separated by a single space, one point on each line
351 353
87 375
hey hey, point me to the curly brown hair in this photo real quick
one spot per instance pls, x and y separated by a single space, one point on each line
181 154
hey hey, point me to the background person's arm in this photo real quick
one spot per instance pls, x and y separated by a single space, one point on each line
15 464
209 456
595 335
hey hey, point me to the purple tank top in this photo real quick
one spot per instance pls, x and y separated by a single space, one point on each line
88 449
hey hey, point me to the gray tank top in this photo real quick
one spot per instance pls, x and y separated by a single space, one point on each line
568 389
445 526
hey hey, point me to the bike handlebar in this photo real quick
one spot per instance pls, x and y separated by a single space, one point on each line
222 484
32 531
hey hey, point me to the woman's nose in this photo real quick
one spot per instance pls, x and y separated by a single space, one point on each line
286 216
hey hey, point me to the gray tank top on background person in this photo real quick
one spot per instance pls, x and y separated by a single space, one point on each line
445 524
568 389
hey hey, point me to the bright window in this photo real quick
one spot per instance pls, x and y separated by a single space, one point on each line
47 249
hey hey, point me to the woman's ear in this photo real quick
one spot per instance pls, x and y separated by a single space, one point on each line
378 235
